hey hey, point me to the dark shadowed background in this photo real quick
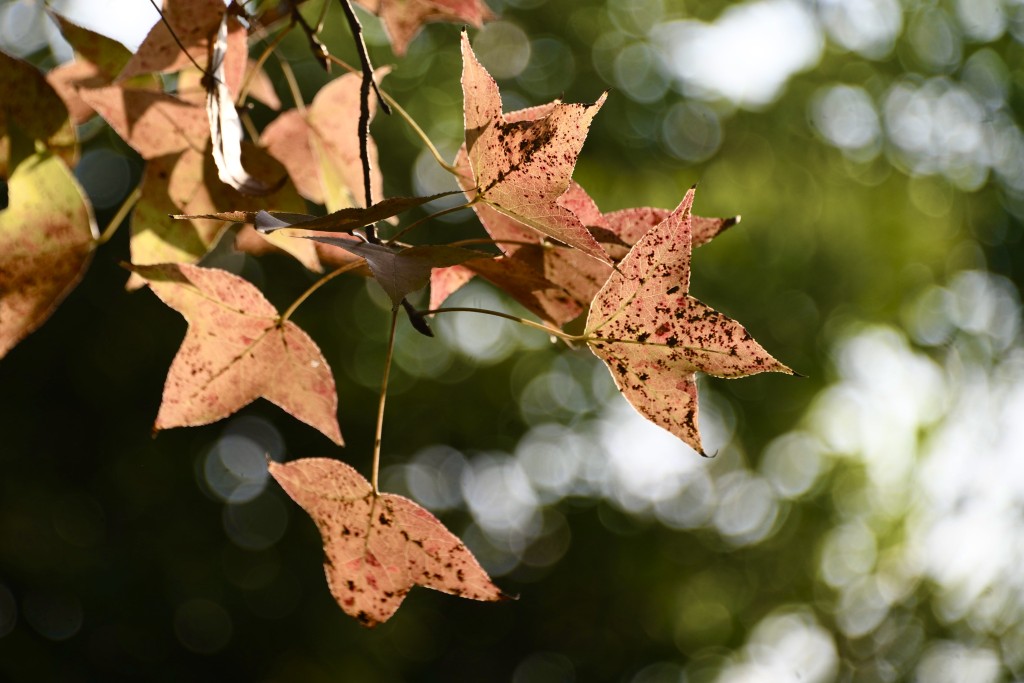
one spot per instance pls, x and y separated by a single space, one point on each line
861 524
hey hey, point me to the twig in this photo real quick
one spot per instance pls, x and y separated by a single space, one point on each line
119 217
515 318
364 106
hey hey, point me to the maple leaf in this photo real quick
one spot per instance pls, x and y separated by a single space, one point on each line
654 336
236 350
29 104
193 25
403 271
46 237
520 168
98 61
320 147
403 19
378 547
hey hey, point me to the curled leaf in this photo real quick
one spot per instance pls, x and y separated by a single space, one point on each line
378 546
403 271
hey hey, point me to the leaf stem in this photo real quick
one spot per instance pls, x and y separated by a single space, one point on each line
515 318
415 223
250 77
380 406
318 284
293 85
122 213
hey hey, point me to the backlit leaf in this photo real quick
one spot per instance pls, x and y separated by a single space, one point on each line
654 336
46 239
377 547
403 19
520 168
236 350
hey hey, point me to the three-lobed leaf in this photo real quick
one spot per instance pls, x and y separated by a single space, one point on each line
237 349
378 546
521 168
654 336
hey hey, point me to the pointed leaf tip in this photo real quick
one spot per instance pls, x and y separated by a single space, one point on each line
377 547
654 336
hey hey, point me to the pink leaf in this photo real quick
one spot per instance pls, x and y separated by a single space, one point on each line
654 336
520 168
403 19
236 350
378 547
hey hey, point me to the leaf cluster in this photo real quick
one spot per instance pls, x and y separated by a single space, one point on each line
545 243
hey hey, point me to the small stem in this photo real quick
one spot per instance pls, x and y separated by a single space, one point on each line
415 223
320 283
380 406
250 77
293 85
515 318
119 217
485 240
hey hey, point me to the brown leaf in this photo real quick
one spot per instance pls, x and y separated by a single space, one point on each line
654 336
403 19
30 104
520 168
46 239
236 350
153 123
187 183
378 547
194 22
402 271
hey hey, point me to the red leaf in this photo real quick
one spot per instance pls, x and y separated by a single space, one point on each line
236 350
520 168
403 19
654 336
378 547
46 238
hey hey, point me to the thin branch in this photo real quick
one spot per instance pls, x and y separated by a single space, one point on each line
420 132
364 106
515 318
122 213
380 406
175 35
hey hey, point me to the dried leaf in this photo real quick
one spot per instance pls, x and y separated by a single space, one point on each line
654 336
226 132
30 104
193 22
46 238
403 271
153 123
520 168
236 350
377 547
403 19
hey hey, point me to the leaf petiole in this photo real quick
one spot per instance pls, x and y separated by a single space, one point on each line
515 318
318 284
380 406
417 222
122 213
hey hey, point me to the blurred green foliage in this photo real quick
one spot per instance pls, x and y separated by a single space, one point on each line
881 188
